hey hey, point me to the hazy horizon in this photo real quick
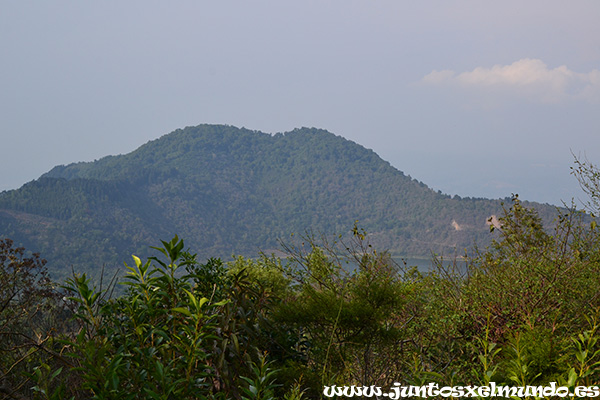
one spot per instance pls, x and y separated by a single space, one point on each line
471 98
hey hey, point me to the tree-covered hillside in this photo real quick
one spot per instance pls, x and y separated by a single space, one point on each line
230 190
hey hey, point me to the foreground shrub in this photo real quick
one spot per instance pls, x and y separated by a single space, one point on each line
149 343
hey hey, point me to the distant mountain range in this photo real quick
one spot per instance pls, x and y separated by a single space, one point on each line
229 191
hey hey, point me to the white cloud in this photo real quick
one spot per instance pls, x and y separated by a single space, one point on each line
439 76
527 77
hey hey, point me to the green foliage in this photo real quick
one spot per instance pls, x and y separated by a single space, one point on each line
528 294
149 343
337 312
488 351
233 191
29 309
350 322
49 384
531 277
334 312
240 340
588 176
585 349
261 386
163 338
210 279
267 272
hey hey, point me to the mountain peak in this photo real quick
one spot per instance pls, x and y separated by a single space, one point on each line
234 190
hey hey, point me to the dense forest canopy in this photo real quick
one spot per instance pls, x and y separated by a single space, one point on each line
524 312
235 191
185 324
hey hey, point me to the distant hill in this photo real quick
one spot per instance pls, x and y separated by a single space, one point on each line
227 190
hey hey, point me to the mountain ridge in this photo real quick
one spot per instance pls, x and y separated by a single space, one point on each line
233 190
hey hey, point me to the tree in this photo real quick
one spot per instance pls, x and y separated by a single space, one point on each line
588 176
192 335
529 292
26 326
351 311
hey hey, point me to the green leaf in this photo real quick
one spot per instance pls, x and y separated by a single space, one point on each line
572 377
183 310
136 259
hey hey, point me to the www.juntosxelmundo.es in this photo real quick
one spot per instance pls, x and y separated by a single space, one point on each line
434 390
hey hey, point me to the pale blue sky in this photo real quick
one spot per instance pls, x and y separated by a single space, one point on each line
473 98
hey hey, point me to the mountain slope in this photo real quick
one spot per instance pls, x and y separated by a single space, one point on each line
228 190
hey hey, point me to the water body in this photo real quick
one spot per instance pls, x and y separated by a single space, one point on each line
424 265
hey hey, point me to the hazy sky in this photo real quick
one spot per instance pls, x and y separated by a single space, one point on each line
475 98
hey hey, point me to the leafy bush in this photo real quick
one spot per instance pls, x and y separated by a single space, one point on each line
525 311
30 317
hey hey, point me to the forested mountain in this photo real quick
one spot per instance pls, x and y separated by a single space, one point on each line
228 190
